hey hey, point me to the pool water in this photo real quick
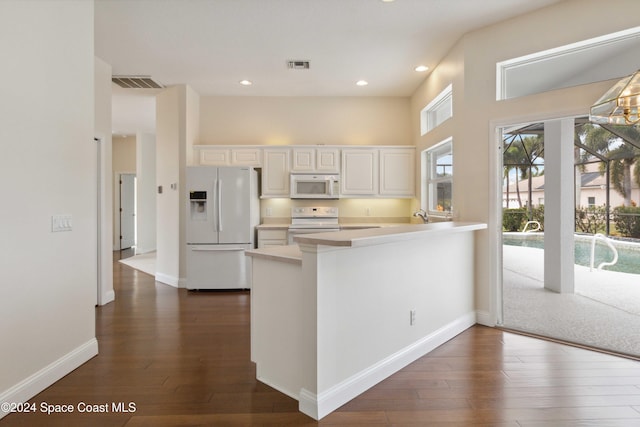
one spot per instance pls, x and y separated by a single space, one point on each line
628 257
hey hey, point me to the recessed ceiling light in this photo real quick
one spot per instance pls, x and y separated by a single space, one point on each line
387 1
421 68
246 82
362 82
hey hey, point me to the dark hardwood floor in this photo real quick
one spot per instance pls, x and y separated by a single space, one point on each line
182 358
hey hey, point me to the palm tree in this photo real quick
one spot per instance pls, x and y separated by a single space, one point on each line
522 153
622 155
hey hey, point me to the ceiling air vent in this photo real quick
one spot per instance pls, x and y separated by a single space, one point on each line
136 82
298 65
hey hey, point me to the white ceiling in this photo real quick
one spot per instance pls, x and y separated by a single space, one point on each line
213 44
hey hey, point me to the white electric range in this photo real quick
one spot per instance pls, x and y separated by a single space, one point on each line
306 220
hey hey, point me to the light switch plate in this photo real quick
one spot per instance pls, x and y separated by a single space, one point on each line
61 223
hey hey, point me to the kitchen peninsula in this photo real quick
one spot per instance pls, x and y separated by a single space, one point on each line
341 311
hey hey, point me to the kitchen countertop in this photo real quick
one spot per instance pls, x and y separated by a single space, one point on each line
376 236
289 253
363 237
343 226
276 226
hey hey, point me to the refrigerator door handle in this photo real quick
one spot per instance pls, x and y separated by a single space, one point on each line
219 197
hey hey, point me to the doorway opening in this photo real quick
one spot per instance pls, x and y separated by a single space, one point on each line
601 308
127 209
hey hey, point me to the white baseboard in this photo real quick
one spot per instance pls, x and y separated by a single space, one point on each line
167 280
318 406
107 297
484 318
142 251
34 384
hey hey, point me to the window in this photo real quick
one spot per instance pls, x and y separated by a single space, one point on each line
438 110
566 66
591 201
438 178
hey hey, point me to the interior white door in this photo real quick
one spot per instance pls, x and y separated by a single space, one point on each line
127 210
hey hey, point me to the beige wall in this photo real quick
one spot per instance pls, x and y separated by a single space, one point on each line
124 154
305 120
168 113
47 167
471 67
103 133
176 132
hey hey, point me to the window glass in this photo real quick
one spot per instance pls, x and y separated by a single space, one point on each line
438 110
438 181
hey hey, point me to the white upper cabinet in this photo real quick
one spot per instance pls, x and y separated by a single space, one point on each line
328 160
228 156
304 159
359 172
310 159
214 156
275 172
246 157
369 171
397 172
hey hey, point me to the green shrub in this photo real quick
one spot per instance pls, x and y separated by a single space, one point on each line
627 220
513 219
591 219
538 215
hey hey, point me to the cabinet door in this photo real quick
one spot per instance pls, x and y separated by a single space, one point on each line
275 172
267 238
359 172
328 160
246 157
397 172
304 159
215 156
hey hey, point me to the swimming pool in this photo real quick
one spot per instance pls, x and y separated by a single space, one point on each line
628 252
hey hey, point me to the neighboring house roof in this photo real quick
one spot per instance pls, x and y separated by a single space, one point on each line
537 183
592 178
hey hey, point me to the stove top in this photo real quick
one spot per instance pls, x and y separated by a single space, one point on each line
314 217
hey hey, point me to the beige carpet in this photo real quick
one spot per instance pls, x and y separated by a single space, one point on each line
144 262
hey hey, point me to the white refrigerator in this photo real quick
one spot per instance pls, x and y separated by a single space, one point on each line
222 213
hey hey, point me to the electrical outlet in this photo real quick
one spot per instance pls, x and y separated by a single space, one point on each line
368 211
267 212
412 317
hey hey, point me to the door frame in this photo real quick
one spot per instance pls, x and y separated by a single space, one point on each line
494 223
116 207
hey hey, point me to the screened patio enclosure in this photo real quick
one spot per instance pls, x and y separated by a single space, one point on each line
607 178
592 306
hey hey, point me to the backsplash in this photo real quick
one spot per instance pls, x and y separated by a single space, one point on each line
362 210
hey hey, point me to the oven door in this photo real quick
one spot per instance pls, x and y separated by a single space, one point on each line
299 231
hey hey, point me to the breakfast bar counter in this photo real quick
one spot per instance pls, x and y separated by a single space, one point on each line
341 311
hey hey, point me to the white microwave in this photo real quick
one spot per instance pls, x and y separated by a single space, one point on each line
315 186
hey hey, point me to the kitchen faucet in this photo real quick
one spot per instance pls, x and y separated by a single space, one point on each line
422 214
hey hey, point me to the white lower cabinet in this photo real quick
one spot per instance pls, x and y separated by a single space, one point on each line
272 237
